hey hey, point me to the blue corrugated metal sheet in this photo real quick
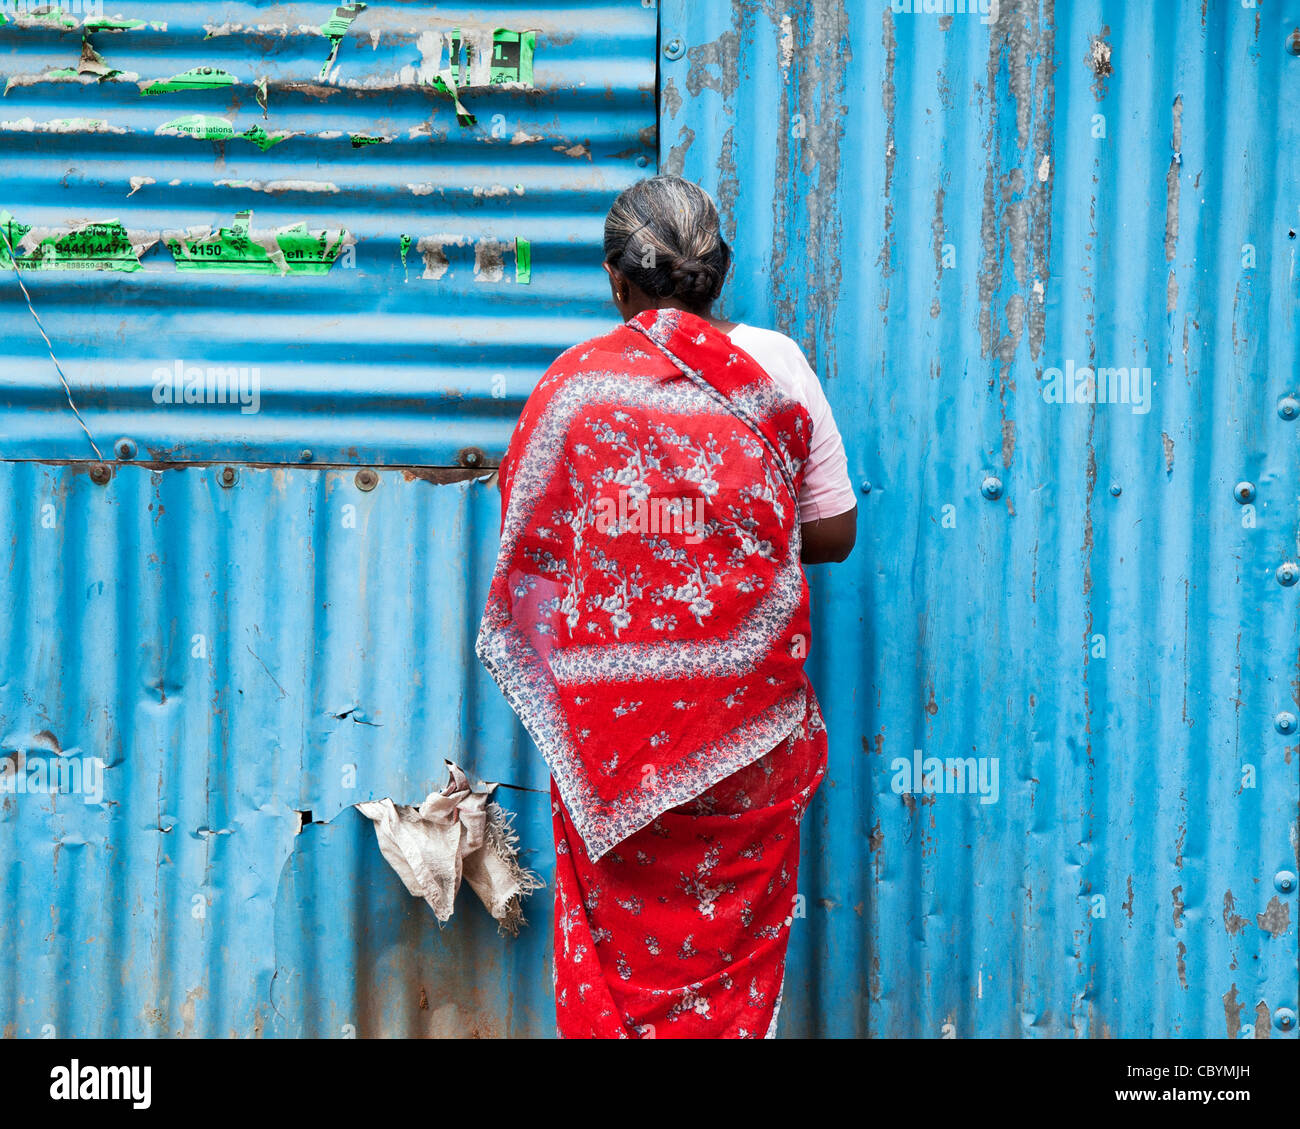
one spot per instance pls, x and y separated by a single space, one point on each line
371 362
239 657
942 208
925 203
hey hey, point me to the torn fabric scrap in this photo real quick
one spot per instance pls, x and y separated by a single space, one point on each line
455 833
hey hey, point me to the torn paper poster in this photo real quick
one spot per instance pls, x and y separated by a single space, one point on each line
209 127
335 28
90 68
512 57
433 249
47 16
114 23
196 78
456 833
87 246
240 250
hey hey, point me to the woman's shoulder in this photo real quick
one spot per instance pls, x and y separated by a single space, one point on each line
596 354
771 343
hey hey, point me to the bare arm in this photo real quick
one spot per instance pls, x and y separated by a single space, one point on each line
831 539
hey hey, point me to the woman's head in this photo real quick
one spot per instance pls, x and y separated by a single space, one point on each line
663 247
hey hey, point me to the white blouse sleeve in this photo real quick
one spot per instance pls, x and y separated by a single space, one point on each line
827 491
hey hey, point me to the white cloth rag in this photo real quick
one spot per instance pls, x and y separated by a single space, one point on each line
455 833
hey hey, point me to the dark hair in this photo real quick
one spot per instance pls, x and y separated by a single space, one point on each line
663 234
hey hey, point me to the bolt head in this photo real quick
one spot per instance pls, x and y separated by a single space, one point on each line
125 449
228 476
1288 407
1293 42
1116 490
1285 881
306 457
1288 573
366 479
1244 492
866 487
100 474
1285 722
991 487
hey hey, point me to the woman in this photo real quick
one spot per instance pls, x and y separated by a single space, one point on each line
648 622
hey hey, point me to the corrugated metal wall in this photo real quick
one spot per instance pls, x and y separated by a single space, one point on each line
942 210
240 652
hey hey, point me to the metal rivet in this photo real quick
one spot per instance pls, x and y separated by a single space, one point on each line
1288 407
228 477
100 473
866 487
125 449
471 456
1288 573
306 457
1284 722
1244 492
1116 490
366 479
1293 42
1284 1018
642 161
1284 880
674 49
991 487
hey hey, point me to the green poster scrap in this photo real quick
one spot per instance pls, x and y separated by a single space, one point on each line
117 24
523 261
512 56
335 28
91 246
209 127
361 139
463 116
453 56
406 247
310 252
263 140
205 127
196 78
236 250
15 233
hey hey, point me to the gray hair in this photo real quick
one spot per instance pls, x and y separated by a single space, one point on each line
663 234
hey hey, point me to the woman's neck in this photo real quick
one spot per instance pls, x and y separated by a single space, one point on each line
720 324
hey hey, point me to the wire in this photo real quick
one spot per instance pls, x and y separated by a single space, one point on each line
67 388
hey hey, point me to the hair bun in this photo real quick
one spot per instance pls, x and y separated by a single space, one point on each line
694 281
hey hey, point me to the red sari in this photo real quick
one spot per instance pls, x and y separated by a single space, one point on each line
648 622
